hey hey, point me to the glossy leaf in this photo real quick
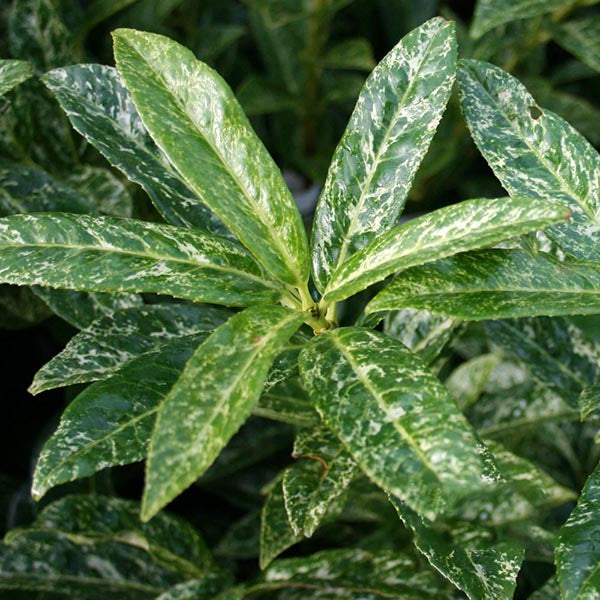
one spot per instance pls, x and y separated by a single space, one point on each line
101 109
12 73
581 37
495 284
534 152
112 341
578 552
104 254
589 401
217 391
395 418
465 226
386 138
195 119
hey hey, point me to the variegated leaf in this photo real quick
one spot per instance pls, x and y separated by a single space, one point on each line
467 381
395 418
287 402
469 225
12 73
581 37
102 254
534 152
388 134
195 119
216 392
495 284
589 401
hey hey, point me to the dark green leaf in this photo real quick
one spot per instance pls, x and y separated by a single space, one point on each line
12 73
582 38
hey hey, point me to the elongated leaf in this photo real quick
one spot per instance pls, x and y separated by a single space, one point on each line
387 136
495 284
287 402
491 13
477 563
112 341
101 109
110 422
578 552
323 471
216 392
12 73
582 38
465 226
534 152
103 254
467 382
351 574
195 119
395 418
589 401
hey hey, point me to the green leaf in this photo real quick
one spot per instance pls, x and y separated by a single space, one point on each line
395 418
322 472
495 284
549 591
534 152
114 340
195 119
589 401
20 307
351 574
101 109
491 13
111 421
207 588
472 559
386 138
467 382
350 54
12 73
101 254
216 392
287 402
582 38
578 552
465 226
99 10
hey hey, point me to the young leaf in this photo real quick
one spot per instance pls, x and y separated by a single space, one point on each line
112 341
394 417
102 254
12 73
578 552
465 226
495 284
582 38
216 392
534 152
101 109
386 138
195 119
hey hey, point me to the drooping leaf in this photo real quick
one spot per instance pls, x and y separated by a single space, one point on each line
469 225
395 418
216 392
581 37
495 284
12 73
101 254
577 552
101 109
534 152
321 474
195 119
111 421
467 381
114 340
371 173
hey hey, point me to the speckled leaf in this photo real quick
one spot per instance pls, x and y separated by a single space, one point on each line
112 341
217 391
386 138
395 418
207 588
582 38
495 284
589 401
12 73
276 533
351 574
101 109
534 152
101 254
577 552
111 421
287 402
474 561
321 474
465 226
467 381
195 119
491 13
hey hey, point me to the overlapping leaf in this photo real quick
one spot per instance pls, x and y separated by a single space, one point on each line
12 73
